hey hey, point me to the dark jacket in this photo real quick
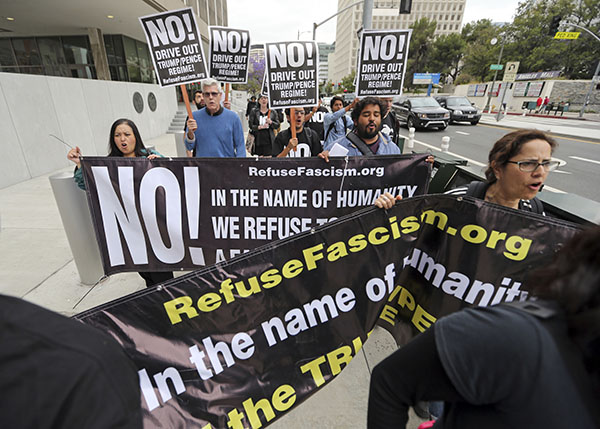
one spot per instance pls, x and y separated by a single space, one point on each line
254 121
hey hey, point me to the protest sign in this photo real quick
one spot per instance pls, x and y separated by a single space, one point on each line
382 63
165 215
176 47
229 49
267 329
293 74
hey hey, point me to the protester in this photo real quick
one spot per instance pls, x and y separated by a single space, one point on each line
518 166
199 102
337 123
538 104
389 124
215 131
366 138
252 104
124 140
532 364
306 143
60 373
314 120
263 123
545 104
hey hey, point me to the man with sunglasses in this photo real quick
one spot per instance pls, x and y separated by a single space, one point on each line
215 132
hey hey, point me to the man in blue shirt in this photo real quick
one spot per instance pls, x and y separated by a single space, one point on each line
337 124
366 138
215 131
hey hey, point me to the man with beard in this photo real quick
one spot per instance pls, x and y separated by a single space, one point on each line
306 143
366 138
199 102
215 131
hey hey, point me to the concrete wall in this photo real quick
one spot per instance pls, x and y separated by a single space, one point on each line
79 111
573 91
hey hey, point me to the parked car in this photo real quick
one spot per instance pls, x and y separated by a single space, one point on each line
421 112
461 109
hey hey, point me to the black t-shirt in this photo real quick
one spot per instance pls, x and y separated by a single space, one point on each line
316 122
60 373
308 143
388 126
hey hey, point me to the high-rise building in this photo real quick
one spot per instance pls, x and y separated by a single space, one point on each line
324 51
447 13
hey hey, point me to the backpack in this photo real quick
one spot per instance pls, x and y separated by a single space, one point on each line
477 189
332 126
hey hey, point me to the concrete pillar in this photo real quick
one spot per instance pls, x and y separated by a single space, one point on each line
99 53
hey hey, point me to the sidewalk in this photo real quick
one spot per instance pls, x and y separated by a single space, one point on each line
588 128
36 264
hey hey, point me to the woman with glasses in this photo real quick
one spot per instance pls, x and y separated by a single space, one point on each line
518 166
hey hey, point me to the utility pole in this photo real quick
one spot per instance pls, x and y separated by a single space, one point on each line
488 104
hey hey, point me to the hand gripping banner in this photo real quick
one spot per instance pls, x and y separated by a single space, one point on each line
240 343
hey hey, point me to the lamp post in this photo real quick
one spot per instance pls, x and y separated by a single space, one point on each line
493 42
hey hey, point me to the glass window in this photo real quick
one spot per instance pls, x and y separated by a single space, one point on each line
131 54
26 52
31 70
118 73
7 57
143 54
134 73
51 51
77 50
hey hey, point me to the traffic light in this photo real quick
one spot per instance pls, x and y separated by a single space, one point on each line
405 6
554 25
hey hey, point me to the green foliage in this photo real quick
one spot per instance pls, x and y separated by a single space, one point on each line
447 54
420 47
347 82
480 53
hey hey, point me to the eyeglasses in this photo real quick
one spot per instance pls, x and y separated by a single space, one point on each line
211 94
531 166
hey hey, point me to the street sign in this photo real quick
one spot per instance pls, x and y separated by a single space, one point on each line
572 35
511 71
496 66
426 78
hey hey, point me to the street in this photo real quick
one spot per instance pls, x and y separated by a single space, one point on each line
582 155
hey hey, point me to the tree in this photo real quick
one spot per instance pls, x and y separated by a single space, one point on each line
418 52
447 54
256 73
347 82
480 53
537 51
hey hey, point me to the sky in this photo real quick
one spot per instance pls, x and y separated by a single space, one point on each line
286 20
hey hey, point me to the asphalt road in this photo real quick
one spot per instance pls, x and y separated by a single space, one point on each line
580 175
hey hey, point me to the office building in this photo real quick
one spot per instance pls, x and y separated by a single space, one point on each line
447 13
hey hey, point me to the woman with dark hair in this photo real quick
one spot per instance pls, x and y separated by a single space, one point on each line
124 140
532 364
518 166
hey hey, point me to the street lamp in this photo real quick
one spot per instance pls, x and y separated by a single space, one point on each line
302 32
493 42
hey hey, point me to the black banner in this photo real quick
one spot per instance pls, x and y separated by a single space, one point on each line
293 69
165 215
278 323
176 47
229 53
382 62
